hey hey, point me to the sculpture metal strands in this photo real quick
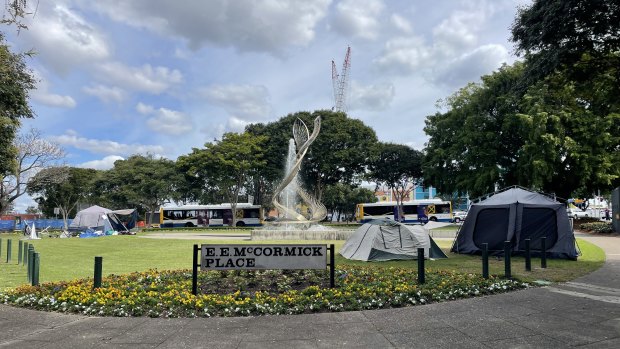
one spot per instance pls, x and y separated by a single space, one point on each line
289 192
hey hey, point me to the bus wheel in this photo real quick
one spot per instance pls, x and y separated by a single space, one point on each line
457 220
240 224
433 219
188 225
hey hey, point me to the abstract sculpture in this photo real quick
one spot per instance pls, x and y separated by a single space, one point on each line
285 197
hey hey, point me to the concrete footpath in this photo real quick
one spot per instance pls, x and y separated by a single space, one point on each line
583 313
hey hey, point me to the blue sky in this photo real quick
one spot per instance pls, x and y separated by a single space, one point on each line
124 77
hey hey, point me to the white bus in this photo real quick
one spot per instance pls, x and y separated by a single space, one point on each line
210 216
417 211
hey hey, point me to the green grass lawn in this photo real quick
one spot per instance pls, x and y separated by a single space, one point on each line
67 259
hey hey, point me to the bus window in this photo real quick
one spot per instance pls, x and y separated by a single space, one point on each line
378 210
410 209
217 214
173 215
251 213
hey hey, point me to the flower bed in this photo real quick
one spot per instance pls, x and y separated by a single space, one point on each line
244 293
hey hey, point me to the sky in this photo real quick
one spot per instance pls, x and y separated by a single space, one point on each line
118 78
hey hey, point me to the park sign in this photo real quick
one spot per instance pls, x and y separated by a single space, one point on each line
252 257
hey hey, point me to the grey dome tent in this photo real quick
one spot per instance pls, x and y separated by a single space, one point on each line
382 240
514 215
96 218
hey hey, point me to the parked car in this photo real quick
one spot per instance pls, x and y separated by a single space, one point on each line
576 213
458 216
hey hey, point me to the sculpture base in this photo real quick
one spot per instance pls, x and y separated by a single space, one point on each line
327 234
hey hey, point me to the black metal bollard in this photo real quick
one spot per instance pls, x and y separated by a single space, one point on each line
98 269
9 245
485 260
543 252
25 256
30 262
421 276
195 270
35 269
20 251
332 266
528 256
507 272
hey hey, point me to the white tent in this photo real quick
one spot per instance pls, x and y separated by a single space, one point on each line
381 240
96 218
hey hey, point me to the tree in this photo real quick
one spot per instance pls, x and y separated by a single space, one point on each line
343 199
339 154
557 135
33 154
15 83
227 164
63 187
474 145
398 167
556 34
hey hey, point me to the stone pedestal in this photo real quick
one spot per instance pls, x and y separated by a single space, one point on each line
269 234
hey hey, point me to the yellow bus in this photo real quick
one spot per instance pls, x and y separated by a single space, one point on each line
417 211
210 215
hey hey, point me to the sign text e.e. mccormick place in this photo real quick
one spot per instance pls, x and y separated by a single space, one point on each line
226 257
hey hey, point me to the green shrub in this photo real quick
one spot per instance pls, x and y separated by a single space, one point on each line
597 227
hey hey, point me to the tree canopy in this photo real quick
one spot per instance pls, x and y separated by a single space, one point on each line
227 164
397 166
63 187
16 80
556 34
340 154
549 137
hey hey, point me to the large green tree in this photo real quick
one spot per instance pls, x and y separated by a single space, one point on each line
549 136
63 187
556 34
342 199
399 167
340 153
227 166
473 146
141 181
16 80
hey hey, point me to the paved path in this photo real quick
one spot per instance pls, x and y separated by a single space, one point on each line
583 313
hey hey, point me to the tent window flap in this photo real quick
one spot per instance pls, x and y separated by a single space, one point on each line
489 222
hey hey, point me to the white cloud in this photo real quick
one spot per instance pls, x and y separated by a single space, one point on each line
97 146
145 78
471 65
105 93
64 39
144 109
236 124
358 18
245 102
263 26
166 121
404 55
459 31
104 164
401 23
42 95
372 97
53 100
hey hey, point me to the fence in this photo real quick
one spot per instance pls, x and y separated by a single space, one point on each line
40 224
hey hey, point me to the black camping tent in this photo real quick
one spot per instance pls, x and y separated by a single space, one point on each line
514 215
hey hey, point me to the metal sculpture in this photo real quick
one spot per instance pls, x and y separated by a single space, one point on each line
302 141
